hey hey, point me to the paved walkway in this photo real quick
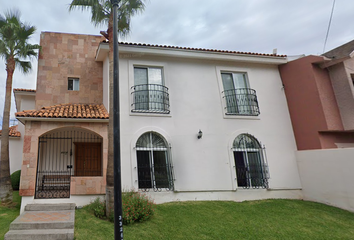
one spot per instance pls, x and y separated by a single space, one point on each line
44 221
50 216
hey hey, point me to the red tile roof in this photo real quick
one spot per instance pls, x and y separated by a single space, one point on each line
85 111
13 132
24 90
199 49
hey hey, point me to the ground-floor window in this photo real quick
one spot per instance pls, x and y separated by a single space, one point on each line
251 166
154 164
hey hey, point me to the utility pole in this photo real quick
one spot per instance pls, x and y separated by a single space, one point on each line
118 216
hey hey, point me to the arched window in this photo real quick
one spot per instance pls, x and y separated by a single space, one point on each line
251 167
154 166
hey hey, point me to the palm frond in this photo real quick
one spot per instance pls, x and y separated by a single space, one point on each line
24 66
14 36
100 10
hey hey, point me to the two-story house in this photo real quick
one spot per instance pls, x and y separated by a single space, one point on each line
196 124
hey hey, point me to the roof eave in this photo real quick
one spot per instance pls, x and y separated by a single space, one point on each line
198 54
103 50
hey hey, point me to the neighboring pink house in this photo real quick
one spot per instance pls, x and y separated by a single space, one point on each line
320 96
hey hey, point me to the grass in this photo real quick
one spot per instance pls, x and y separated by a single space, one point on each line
266 219
8 213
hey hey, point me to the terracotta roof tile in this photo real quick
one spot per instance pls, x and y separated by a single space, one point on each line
198 49
91 111
13 131
24 90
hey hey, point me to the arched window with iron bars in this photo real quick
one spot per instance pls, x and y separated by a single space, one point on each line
154 162
250 162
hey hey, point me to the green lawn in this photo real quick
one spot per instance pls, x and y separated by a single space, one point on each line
8 214
267 219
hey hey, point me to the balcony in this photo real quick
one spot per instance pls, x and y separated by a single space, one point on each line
150 98
241 101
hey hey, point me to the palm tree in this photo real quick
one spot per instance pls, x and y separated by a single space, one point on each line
101 14
14 46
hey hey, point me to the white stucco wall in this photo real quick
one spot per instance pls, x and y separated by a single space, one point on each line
327 176
196 103
15 143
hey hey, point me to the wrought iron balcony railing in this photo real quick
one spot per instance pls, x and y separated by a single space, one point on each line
150 98
241 101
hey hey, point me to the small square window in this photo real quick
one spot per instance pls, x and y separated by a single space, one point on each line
73 84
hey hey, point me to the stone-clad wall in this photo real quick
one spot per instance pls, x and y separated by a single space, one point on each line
63 56
79 185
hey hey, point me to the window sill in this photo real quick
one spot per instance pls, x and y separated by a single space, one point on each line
150 114
246 117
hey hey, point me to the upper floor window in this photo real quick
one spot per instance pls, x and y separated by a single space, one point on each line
73 84
239 97
149 93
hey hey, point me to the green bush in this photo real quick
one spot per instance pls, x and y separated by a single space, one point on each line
15 180
137 207
99 208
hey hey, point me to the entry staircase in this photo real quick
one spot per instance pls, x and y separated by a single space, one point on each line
44 221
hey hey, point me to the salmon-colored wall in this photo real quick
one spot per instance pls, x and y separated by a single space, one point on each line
68 55
311 101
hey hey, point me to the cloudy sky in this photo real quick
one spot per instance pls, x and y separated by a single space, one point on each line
293 27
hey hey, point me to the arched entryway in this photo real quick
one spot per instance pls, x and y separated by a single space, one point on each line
63 153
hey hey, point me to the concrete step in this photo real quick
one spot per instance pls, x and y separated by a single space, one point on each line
50 206
43 234
44 220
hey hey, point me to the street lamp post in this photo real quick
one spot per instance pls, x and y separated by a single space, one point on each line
118 218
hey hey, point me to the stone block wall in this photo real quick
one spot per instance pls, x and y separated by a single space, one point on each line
66 56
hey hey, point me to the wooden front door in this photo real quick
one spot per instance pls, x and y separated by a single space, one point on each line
88 160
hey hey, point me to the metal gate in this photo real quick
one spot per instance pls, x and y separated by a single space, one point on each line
54 166
63 153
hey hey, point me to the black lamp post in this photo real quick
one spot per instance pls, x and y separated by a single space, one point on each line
118 218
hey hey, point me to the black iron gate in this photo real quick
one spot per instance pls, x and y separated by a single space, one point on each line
54 166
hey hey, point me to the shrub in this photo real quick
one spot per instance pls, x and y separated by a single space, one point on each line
99 208
137 207
15 180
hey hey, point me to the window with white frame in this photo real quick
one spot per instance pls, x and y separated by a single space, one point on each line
149 92
73 84
250 162
240 99
154 164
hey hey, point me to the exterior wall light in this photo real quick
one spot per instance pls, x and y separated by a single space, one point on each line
200 134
